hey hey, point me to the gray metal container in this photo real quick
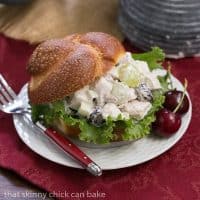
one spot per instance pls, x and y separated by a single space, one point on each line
173 25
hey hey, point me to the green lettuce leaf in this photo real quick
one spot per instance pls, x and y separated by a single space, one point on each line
166 81
47 113
89 133
42 113
154 58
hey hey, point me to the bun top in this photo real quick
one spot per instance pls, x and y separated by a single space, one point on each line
59 67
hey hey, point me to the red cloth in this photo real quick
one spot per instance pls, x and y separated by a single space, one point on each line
175 175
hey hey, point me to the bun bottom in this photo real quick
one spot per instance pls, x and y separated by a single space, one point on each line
73 131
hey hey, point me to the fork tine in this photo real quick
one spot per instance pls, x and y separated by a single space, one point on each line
7 87
4 92
2 100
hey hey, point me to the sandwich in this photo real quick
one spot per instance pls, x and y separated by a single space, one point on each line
88 87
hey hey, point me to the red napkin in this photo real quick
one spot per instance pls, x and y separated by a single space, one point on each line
175 175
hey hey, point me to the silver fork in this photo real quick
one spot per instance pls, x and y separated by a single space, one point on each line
10 103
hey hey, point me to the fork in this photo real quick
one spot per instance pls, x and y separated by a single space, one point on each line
10 103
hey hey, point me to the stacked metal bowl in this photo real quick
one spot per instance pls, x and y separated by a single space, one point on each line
173 25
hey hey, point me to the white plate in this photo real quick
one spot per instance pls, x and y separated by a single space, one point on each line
127 155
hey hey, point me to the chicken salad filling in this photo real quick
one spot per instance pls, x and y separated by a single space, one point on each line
125 90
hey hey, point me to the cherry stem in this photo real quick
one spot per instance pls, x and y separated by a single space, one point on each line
169 74
184 92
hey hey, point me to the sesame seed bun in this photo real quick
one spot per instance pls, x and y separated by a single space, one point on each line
59 67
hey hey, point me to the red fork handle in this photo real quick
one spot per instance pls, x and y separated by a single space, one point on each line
72 149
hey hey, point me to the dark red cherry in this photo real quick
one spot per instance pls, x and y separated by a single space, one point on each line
173 98
167 122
